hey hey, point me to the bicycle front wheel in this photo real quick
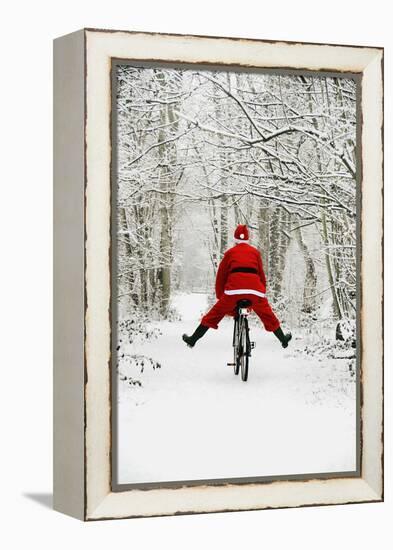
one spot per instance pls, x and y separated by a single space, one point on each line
236 359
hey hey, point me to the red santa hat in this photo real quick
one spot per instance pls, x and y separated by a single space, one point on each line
241 234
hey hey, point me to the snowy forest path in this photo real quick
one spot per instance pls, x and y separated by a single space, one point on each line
194 419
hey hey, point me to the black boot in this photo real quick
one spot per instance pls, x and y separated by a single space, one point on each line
284 338
199 332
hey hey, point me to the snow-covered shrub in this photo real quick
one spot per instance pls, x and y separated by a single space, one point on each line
325 347
346 331
173 315
130 365
136 327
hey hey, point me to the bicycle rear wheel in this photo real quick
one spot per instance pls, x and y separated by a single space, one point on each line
245 350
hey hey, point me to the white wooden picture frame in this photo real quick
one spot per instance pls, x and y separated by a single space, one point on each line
82 292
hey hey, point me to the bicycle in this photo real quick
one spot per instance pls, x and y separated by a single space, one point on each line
241 343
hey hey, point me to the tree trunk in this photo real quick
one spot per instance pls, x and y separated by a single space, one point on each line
167 154
336 304
264 236
310 282
128 280
224 225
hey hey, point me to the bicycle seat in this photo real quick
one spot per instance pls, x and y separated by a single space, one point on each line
243 303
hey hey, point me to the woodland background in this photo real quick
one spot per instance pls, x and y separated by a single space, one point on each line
200 151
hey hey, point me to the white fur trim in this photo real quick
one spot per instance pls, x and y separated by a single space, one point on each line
239 241
244 291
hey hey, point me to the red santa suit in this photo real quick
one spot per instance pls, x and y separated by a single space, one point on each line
240 275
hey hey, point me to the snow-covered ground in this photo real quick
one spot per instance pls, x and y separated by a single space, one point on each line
194 419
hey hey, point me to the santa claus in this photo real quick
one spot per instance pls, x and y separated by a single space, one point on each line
240 276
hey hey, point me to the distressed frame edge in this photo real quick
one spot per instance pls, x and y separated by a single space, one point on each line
372 242
104 510
232 38
373 495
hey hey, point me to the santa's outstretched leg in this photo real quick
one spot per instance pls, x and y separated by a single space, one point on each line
284 338
198 333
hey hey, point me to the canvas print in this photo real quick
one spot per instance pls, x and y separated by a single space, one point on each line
235 281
